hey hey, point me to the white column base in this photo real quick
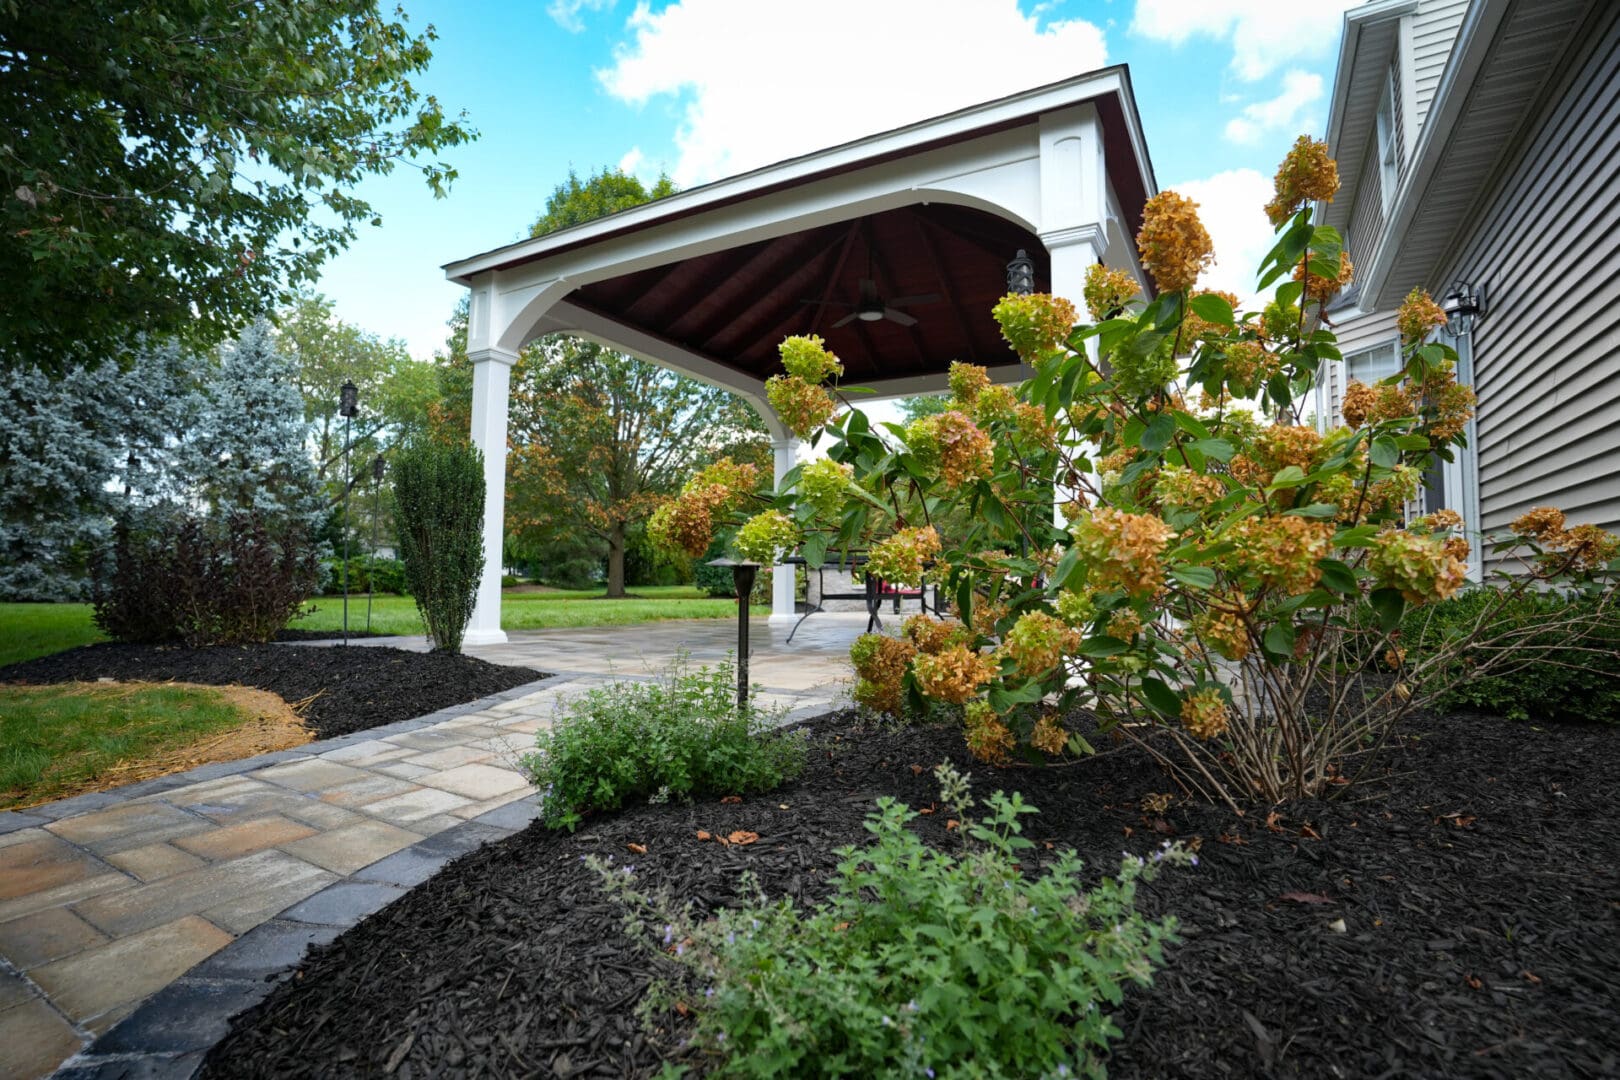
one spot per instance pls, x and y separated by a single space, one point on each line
784 604
484 637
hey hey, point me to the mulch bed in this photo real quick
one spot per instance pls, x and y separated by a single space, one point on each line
1475 877
346 689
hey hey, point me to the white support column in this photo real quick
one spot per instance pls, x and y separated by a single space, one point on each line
492 376
784 601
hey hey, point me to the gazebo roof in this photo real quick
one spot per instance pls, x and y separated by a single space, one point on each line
636 278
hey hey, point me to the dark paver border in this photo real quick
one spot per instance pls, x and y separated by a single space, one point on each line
171 1032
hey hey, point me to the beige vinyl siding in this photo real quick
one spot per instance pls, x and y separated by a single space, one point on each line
1547 354
1434 30
1366 227
1355 331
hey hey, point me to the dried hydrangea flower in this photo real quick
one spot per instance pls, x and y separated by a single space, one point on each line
988 738
1249 366
808 358
1048 736
1174 245
1418 566
1282 551
1123 549
823 484
966 382
1358 404
1034 324
1323 289
1107 291
902 558
881 663
1418 316
1307 174
766 536
1195 327
954 674
1038 642
1204 713
802 406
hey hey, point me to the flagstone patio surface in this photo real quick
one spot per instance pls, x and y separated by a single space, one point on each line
107 899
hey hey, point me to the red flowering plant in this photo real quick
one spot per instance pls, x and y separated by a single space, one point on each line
1224 584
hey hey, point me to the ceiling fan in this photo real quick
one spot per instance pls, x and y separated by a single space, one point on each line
871 307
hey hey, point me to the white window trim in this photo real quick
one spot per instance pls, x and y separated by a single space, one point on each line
1384 133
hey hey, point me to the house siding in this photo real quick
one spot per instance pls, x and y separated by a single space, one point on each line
1547 352
1434 30
1355 331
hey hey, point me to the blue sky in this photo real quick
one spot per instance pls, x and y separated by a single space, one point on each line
707 88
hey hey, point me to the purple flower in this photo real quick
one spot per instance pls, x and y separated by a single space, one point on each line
669 934
930 1074
709 993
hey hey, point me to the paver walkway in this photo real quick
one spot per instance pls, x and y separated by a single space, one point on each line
108 898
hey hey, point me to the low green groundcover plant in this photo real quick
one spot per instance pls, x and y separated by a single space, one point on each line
679 736
1566 663
922 962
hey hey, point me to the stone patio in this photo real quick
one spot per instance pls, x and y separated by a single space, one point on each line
109 898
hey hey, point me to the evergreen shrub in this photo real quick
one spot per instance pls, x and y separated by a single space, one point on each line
439 508
1566 664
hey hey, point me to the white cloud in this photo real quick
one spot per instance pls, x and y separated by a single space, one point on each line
567 13
1231 206
759 83
1265 34
631 160
1288 111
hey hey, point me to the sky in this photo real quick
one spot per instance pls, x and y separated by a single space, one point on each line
703 89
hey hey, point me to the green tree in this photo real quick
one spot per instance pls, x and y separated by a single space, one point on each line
915 408
576 201
176 169
600 439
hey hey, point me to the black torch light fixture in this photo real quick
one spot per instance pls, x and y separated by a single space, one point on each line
1021 274
376 507
742 576
1464 306
348 405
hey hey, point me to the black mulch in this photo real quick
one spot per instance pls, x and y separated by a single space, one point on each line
347 689
1476 881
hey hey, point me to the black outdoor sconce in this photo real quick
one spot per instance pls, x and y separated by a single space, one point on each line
742 576
1464 305
1021 274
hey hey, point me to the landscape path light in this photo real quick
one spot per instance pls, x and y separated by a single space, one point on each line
348 405
742 576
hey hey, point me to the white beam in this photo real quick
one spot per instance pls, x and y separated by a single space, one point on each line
784 591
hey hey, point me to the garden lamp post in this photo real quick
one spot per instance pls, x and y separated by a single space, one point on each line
348 405
1021 274
376 507
742 576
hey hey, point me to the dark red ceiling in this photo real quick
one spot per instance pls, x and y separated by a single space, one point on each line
736 306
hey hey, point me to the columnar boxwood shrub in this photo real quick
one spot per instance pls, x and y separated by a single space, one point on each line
439 509
1224 583
923 962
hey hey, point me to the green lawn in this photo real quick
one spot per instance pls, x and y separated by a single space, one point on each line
58 740
30 630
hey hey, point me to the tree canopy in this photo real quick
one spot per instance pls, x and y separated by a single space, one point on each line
176 169
575 201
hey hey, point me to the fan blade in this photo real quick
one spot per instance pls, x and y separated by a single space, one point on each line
907 301
899 316
846 320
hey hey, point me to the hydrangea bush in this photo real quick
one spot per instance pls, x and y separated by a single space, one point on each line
1223 583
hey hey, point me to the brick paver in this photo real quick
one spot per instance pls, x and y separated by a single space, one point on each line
110 898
